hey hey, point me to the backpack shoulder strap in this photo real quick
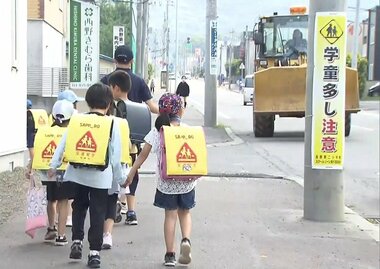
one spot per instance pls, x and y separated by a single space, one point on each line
121 110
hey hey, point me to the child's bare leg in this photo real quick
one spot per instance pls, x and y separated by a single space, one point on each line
108 226
69 209
185 222
62 207
169 229
51 211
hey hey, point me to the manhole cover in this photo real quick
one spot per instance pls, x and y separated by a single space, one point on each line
374 220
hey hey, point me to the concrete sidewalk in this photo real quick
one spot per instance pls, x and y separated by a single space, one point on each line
237 223
240 223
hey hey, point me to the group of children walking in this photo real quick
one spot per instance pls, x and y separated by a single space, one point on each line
91 165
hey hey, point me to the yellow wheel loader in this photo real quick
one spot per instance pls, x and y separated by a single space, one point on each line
280 76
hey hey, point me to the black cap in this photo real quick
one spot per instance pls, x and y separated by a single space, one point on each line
123 54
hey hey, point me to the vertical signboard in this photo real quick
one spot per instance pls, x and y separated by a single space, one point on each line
329 91
84 44
213 48
118 37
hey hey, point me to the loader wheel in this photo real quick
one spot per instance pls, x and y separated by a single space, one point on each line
347 127
263 125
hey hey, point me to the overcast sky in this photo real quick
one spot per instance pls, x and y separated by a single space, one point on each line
232 14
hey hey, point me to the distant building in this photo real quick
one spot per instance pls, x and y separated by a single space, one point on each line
373 46
47 47
362 38
13 68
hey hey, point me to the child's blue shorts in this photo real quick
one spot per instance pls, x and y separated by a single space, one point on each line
175 201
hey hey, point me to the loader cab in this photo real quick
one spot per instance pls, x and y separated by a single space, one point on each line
281 41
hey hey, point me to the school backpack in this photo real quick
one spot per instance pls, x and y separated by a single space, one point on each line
183 154
139 119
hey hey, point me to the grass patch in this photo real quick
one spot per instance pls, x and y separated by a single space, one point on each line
222 126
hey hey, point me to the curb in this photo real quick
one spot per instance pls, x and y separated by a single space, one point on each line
350 216
235 140
228 175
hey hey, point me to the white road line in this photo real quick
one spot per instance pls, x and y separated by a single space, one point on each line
364 128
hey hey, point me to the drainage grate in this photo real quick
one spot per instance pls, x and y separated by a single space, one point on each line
373 220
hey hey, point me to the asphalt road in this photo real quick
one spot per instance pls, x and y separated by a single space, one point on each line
283 154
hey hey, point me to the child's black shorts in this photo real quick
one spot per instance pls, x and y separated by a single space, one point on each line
59 190
111 206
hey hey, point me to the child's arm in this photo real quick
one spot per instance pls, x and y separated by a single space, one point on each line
56 161
139 161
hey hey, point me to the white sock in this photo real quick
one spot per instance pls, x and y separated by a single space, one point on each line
94 252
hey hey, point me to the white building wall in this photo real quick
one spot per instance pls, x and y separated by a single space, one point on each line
53 51
13 67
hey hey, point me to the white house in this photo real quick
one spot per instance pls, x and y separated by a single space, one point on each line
13 68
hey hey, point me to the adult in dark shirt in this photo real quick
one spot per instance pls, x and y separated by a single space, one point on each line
183 90
140 91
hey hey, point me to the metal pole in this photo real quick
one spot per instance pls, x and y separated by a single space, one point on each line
323 189
167 46
138 38
229 67
356 37
143 37
176 44
210 107
246 50
220 64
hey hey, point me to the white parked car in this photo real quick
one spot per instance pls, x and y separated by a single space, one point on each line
248 89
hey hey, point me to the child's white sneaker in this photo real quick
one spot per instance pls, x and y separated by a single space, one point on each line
107 241
185 252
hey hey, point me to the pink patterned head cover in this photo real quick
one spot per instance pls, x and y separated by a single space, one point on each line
170 103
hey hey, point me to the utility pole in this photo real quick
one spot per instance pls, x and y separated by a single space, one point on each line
138 38
230 56
167 46
356 37
144 25
210 107
246 51
220 64
323 188
176 45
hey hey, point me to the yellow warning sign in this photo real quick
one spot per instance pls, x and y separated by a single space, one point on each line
41 120
48 152
332 31
186 155
86 143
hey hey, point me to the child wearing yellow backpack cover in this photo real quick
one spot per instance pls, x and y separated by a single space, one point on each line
176 197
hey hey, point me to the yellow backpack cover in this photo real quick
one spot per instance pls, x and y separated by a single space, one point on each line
183 154
125 140
88 137
40 118
45 144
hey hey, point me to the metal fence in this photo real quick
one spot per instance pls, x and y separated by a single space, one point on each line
49 81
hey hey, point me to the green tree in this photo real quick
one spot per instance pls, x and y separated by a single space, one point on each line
112 14
362 71
235 70
150 71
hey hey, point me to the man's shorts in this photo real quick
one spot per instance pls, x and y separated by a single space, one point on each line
175 201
